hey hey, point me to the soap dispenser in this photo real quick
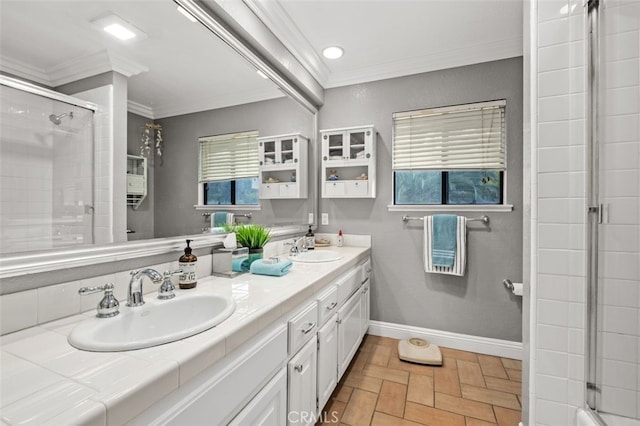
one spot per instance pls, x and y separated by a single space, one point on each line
187 263
310 239
340 241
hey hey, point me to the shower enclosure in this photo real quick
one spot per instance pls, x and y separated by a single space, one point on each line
46 169
613 151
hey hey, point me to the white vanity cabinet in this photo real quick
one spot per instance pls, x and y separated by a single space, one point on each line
327 360
302 385
349 162
283 166
349 338
365 300
268 407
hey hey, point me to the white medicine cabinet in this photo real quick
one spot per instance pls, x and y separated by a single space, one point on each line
349 162
283 162
136 180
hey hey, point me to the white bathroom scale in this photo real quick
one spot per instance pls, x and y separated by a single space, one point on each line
419 351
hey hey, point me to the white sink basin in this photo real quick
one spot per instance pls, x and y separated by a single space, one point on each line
154 323
316 256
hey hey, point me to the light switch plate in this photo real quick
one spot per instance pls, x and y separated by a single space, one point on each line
325 218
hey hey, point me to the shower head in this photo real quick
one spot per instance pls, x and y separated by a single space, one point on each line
57 119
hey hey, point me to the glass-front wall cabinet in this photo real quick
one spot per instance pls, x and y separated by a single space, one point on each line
283 166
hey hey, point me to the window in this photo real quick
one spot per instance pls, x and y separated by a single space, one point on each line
451 155
228 169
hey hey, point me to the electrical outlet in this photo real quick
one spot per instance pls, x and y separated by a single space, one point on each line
325 218
310 218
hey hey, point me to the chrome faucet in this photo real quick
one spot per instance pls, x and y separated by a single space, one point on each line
135 295
297 245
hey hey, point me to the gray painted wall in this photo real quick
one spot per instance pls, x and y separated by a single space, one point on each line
175 188
476 304
140 220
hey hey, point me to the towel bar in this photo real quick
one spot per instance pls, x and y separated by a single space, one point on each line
247 215
484 219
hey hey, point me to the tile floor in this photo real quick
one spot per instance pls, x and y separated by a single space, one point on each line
468 390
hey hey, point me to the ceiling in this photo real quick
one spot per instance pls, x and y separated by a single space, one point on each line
181 67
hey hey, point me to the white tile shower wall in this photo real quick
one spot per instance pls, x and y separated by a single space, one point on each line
560 283
29 308
103 153
619 242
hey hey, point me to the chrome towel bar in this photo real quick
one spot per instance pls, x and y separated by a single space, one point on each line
247 215
484 219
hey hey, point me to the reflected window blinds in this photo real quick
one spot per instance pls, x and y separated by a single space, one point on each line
230 156
468 136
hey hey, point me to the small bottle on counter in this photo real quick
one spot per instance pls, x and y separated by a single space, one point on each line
310 239
340 242
187 263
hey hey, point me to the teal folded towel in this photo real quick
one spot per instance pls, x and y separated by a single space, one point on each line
240 264
277 269
219 219
443 241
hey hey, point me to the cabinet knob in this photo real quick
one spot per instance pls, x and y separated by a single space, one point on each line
299 368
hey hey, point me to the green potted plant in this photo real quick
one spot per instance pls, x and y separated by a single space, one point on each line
252 236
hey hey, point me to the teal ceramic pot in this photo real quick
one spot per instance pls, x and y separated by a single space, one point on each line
255 254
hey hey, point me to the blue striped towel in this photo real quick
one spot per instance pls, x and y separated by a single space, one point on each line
443 242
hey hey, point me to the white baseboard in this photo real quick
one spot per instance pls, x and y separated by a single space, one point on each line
465 342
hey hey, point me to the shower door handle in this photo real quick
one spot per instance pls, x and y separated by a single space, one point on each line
597 209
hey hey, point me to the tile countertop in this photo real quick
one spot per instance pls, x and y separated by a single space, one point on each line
44 380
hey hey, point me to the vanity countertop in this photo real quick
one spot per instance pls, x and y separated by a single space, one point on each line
44 380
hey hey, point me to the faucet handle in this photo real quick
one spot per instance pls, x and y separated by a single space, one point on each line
167 289
109 305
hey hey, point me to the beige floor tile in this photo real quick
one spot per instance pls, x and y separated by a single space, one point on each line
446 381
470 373
382 419
515 375
465 407
343 392
492 366
380 355
477 422
431 416
420 389
356 380
332 412
412 367
386 373
458 354
503 385
392 398
360 409
359 361
507 417
490 396
514 364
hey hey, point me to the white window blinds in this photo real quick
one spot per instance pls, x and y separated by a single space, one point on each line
231 156
458 137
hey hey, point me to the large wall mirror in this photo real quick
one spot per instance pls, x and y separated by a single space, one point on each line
175 75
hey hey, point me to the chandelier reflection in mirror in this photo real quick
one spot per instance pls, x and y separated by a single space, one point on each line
151 141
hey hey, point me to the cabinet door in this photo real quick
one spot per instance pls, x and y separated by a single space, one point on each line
333 146
302 386
357 188
268 407
359 144
288 190
365 301
349 317
267 152
327 360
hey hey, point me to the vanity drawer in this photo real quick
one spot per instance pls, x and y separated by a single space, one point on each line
269 190
327 304
302 326
288 189
357 188
347 285
365 270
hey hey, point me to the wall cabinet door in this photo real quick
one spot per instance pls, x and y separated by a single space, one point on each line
268 407
302 371
349 323
327 360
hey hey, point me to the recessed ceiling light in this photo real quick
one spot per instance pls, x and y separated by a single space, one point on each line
118 28
333 52
187 14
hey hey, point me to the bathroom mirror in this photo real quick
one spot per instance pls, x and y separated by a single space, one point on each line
177 75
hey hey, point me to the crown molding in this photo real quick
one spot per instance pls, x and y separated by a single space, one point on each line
488 52
139 109
88 66
23 70
199 105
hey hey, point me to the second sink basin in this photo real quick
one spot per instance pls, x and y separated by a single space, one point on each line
316 256
154 323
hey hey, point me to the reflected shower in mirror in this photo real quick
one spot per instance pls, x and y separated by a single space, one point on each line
175 74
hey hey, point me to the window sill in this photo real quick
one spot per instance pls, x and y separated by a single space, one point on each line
450 208
227 208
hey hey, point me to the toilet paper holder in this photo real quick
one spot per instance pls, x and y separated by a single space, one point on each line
508 284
